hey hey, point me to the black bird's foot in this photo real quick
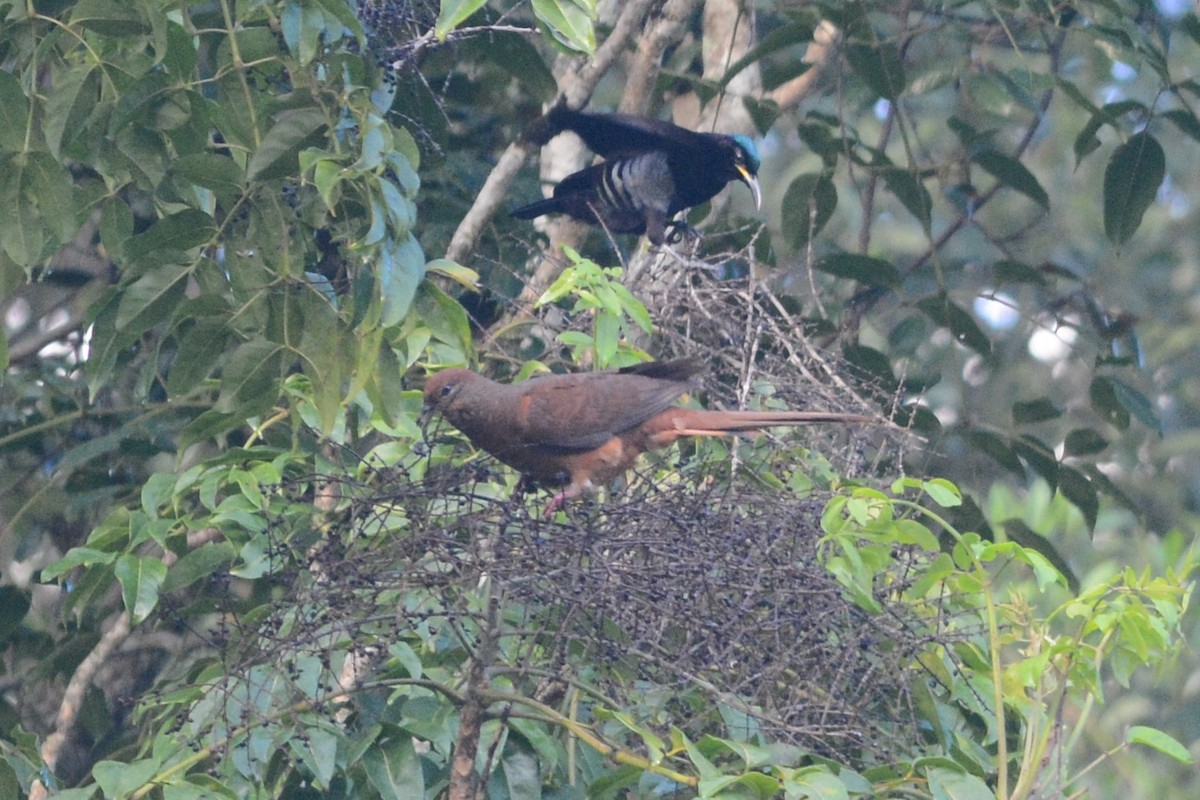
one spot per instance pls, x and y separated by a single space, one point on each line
678 230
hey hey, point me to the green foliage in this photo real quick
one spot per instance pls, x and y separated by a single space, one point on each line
263 195
949 153
617 315
1025 655
1021 650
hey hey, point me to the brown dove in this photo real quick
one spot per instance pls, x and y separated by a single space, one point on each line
585 429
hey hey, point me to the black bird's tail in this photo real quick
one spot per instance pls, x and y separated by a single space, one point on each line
547 206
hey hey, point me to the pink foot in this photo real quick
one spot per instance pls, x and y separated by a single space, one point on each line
556 503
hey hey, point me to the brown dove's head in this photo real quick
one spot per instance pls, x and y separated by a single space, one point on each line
441 388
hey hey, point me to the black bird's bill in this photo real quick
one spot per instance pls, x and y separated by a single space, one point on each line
751 180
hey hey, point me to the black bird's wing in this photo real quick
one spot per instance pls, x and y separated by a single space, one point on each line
615 135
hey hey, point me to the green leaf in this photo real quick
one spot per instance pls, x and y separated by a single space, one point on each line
465 276
200 348
820 139
1039 458
873 362
943 492
408 658
302 25
608 330
400 268
1137 404
10 786
1084 442
763 113
279 152
808 204
1103 398
219 173
318 750
75 94
210 424
879 67
454 13
1162 742
947 784
911 192
209 560
136 103
76 557
1009 271
116 227
16 113
151 298
121 778
1086 140
961 324
250 382
539 738
140 577
327 360
633 308
156 491
401 211
996 447
1191 26
1013 174
864 269
813 783
38 196
51 185
1022 534
177 232
522 778
519 57
568 25
394 769
1185 120
783 37
1076 487
344 13
1131 181
1115 400
1039 410
109 18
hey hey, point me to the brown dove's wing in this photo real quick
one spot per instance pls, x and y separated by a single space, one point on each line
576 413
680 369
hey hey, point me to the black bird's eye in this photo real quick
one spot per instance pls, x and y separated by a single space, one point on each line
447 389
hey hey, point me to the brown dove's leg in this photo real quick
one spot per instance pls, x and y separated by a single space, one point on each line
601 465
559 501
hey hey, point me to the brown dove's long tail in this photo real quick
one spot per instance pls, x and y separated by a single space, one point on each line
676 422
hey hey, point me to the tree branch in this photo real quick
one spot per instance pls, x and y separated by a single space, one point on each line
791 94
72 702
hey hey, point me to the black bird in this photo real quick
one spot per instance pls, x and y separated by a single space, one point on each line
652 171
